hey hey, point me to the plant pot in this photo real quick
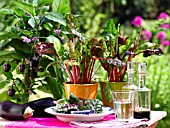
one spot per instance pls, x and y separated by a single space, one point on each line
84 91
106 88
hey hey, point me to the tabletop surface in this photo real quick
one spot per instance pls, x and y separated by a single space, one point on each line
55 123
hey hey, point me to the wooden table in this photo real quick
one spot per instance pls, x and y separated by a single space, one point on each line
156 116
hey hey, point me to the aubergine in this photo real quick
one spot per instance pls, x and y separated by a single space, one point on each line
39 105
13 111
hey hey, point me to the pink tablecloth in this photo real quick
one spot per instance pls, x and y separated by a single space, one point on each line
55 123
38 123
44 123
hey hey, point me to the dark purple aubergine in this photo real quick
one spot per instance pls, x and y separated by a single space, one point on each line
11 92
39 105
14 112
7 67
21 67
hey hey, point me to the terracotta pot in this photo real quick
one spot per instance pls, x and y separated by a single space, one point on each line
106 88
84 91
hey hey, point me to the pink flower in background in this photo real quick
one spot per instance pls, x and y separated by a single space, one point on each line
165 43
167 26
34 38
147 35
26 39
57 31
137 21
162 15
161 35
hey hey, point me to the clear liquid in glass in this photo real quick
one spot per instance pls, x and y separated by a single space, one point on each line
123 110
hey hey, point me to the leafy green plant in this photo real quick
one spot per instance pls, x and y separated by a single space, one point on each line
116 51
29 23
74 55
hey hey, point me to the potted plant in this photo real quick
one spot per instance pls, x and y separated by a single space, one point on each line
116 51
75 57
23 69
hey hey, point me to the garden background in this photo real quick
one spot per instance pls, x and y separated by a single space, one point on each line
93 17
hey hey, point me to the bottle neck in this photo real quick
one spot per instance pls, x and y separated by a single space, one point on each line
130 78
141 80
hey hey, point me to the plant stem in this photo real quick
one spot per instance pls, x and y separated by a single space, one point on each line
69 74
74 74
104 66
92 68
85 74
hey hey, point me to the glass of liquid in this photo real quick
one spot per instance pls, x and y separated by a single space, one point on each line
123 107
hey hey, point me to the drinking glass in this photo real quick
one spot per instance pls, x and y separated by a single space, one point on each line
123 104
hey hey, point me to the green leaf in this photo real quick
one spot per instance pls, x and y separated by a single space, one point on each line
26 32
55 87
4 83
55 41
6 11
147 45
32 22
8 35
8 55
9 21
22 54
75 53
45 9
61 6
3 44
8 75
110 30
19 12
56 17
21 46
48 26
41 2
45 62
4 96
25 6
124 48
70 18
44 88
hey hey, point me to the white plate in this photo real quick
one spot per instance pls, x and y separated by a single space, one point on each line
79 117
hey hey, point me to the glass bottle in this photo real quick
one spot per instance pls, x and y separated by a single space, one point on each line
142 107
130 77
130 83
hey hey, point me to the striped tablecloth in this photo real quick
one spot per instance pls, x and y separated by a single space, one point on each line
108 121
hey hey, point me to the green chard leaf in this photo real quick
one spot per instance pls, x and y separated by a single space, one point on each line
110 30
147 45
70 18
124 48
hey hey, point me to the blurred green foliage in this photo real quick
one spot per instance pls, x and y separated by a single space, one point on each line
95 13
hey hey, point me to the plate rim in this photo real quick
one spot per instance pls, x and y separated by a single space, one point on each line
50 110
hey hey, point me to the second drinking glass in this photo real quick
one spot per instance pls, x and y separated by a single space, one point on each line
123 101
